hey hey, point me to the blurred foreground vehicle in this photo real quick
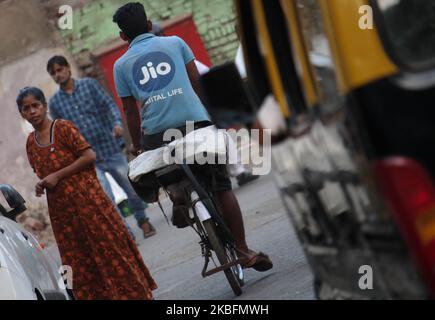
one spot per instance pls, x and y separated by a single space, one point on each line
27 272
354 83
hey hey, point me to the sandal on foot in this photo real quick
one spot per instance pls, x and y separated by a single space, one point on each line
259 262
151 231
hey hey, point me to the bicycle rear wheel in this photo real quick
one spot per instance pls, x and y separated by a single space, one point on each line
222 256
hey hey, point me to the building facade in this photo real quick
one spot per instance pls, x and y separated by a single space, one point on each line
31 34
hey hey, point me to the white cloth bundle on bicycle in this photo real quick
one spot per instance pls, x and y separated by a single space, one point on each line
202 146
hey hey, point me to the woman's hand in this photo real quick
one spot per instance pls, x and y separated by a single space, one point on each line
49 182
87 158
39 190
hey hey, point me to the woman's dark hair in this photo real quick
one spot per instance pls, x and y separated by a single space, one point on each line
131 19
27 91
60 60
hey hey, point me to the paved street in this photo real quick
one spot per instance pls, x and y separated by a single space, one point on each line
174 258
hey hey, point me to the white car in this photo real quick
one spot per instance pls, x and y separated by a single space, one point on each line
27 272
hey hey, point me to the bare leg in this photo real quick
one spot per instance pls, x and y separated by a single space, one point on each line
233 218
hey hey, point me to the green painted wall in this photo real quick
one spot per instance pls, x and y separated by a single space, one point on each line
93 26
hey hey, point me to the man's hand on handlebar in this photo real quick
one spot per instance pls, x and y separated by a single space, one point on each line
135 151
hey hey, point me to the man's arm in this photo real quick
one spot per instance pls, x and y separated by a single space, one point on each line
133 121
52 111
192 72
108 106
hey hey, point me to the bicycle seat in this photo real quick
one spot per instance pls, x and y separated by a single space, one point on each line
196 147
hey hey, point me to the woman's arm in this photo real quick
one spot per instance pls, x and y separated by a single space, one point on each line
49 182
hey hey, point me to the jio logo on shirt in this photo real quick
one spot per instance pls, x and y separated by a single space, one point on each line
153 71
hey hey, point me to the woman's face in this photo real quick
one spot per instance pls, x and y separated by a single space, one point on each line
33 110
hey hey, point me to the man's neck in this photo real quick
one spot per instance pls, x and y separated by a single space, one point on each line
68 86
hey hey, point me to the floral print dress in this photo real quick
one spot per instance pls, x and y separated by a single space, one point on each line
90 234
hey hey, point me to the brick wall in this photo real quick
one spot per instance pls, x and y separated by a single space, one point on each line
214 19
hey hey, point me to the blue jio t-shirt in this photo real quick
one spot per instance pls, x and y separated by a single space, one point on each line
153 71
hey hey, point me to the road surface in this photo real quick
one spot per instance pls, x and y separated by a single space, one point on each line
174 257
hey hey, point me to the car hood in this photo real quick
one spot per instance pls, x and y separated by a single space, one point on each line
22 255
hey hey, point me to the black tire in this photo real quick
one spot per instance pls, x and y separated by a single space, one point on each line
53 295
239 273
70 294
220 252
317 287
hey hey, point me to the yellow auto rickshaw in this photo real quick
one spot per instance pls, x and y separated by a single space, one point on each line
354 81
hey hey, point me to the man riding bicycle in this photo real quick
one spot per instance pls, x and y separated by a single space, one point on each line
160 74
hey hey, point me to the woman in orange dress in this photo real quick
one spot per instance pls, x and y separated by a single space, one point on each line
91 236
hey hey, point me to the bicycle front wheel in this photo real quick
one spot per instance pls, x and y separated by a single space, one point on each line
220 252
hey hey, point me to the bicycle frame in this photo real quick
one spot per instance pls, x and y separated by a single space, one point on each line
204 208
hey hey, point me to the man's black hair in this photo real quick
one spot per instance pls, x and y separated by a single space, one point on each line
27 91
131 19
59 60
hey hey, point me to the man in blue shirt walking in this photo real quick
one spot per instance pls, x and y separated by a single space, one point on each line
160 74
93 111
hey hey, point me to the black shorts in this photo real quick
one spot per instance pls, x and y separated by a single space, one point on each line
213 176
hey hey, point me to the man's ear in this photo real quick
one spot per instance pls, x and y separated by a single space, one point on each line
123 36
149 25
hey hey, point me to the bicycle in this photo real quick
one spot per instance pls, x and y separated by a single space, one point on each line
204 213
